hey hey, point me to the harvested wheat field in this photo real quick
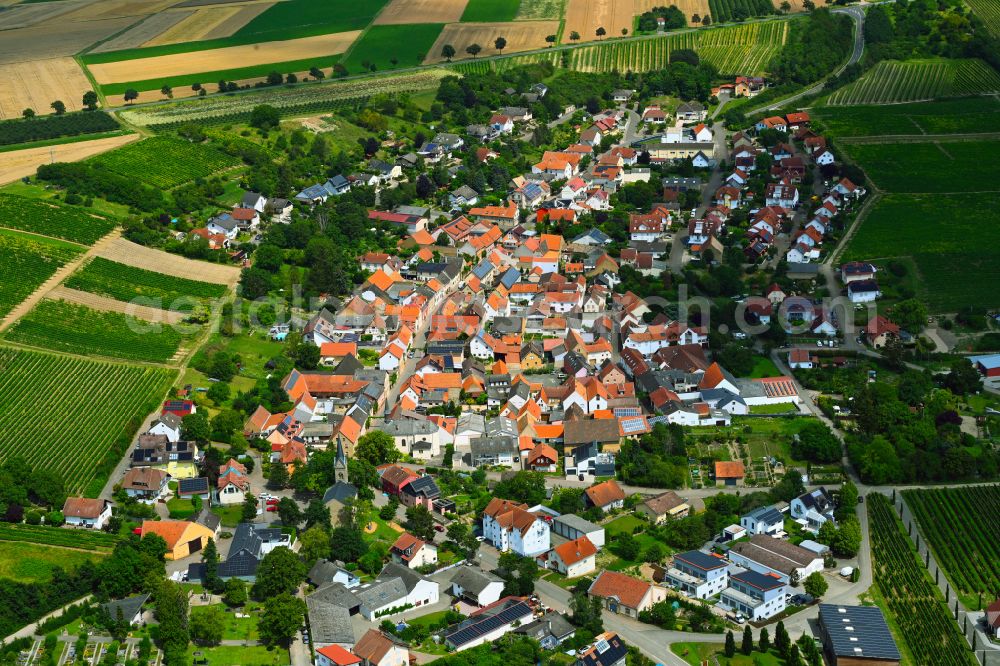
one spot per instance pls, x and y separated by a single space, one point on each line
38 83
105 304
209 23
57 38
796 5
22 16
520 36
17 164
111 9
130 254
688 7
422 11
586 16
230 57
143 32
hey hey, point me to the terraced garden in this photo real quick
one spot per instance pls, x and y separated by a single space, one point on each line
72 415
26 262
892 81
165 162
52 219
74 329
961 526
915 604
126 283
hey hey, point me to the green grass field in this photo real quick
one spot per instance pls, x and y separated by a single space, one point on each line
26 262
701 653
537 10
954 250
942 166
381 44
291 19
236 655
967 115
486 11
891 81
125 283
34 563
76 329
210 79
624 525
71 415
165 161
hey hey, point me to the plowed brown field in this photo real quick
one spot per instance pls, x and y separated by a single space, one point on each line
422 11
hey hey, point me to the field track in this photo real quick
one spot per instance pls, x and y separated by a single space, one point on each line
180 64
126 252
105 304
25 306
20 163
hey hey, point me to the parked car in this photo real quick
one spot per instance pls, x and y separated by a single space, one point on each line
272 507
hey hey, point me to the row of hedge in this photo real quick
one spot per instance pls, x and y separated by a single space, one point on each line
41 128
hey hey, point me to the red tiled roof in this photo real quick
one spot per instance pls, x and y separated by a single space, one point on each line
629 591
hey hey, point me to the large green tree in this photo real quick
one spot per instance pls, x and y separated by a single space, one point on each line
280 571
377 448
207 624
283 615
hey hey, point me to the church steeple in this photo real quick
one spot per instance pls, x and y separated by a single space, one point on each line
340 463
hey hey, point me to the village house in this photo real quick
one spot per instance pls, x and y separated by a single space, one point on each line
624 594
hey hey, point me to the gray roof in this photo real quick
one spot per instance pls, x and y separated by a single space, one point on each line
335 594
482 446
767 514
408 427
329 623
552 623
208 519
383 592
340 492
470 421
473 579
129 606
577 523
858 631
500 426
323 572
465 192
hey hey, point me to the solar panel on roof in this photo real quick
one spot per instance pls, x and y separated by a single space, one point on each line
627 411
633 425
480 627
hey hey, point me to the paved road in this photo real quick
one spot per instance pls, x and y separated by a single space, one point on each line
858 15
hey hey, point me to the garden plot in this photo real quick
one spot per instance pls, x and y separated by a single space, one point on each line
421 11
520 36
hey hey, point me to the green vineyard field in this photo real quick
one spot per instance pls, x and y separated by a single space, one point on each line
989 12
914 602
26 262
72 415
742 49
125 283
961 525
165 162
76 329
51 219
54 536
892 82
968 115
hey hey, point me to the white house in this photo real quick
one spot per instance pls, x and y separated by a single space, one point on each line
85 512
698 574
765 520
755 595
511 527
573 558
767 555
863 291
476 586
412 552
233 483
169 425
812 509
396 586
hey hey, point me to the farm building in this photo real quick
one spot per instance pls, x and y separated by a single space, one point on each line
856 635
987 365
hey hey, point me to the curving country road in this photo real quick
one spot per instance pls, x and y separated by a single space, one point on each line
858 15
